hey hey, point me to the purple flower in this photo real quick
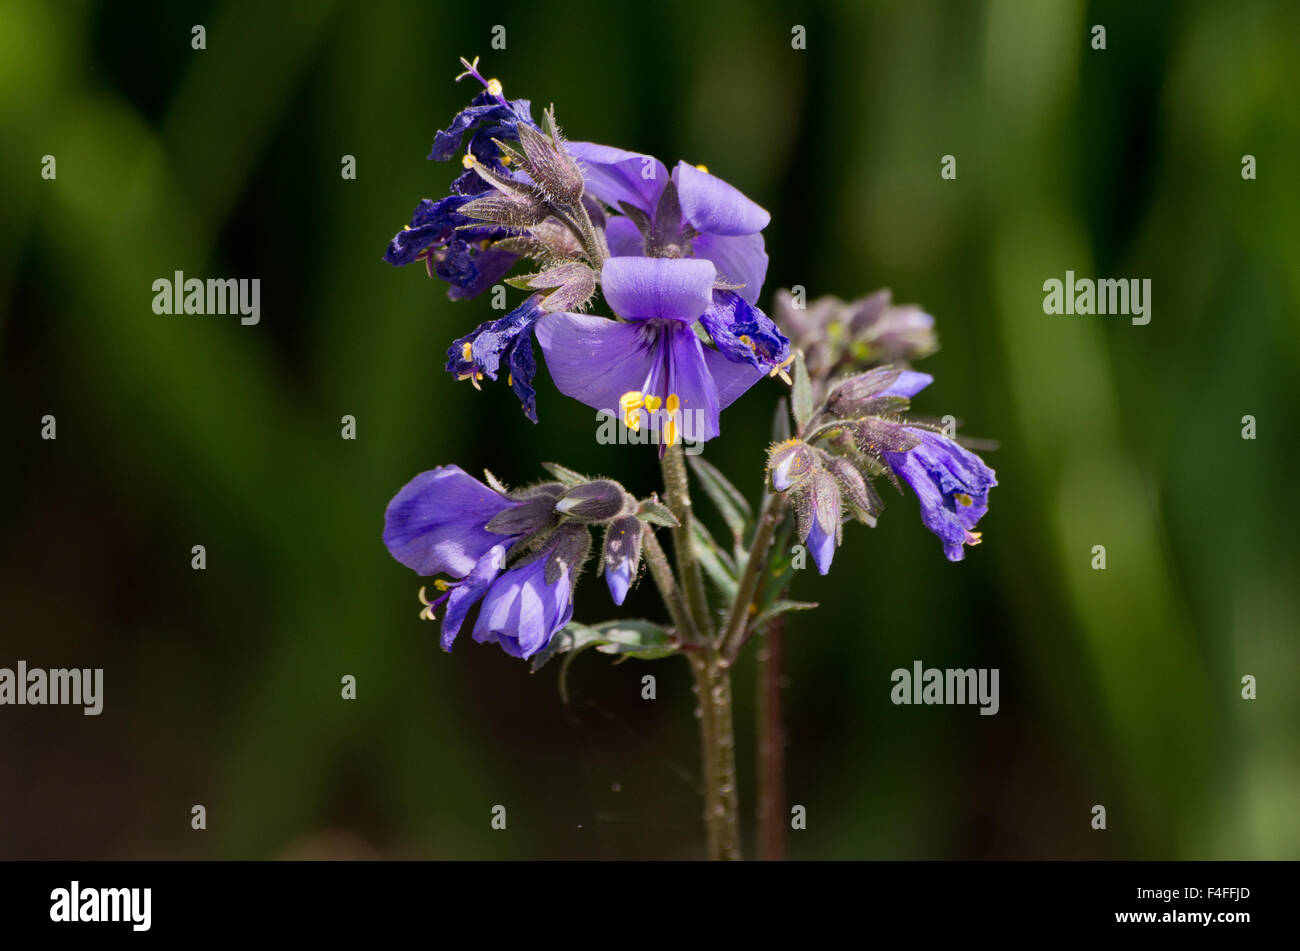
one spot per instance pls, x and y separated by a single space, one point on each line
452 246
507 342
700 215
653 363
446 522
489 116
952 485
437 523
527 604
692 214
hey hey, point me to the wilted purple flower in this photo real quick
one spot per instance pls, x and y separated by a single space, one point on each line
528 603
452 246
653 361
952 485
489 116
506 342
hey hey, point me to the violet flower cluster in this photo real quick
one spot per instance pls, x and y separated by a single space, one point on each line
678 259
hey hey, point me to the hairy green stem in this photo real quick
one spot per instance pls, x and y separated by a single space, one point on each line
662 573
770 812
733 632
718 754
678 496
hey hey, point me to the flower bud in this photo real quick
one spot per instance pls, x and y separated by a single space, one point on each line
789 463
508 209
551 166
597 501
622 555
567 550
862 501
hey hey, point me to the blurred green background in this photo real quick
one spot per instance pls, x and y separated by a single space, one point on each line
1118 687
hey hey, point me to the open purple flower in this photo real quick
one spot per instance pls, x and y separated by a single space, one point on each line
691 213
952 485
700 216
653 364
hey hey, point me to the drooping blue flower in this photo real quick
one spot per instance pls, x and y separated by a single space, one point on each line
651 365
528 603
952 485
506 341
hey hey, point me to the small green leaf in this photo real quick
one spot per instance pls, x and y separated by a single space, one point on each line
726 497
567 476
654 512
641 639
715 562
801 393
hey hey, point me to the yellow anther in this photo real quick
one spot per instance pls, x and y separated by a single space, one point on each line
670 432
973 538
467 351
426 614
468 160
510 379
441 585
963 498
779 370
744 338
673 405
652 403
629 405
703 168
494 87
406 227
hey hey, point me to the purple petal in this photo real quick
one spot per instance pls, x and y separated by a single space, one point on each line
731 380
435 524
740 259
689 378
714 207
908 384
466 594
658 288
822 547
613 175
596 360
521 612
624 237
